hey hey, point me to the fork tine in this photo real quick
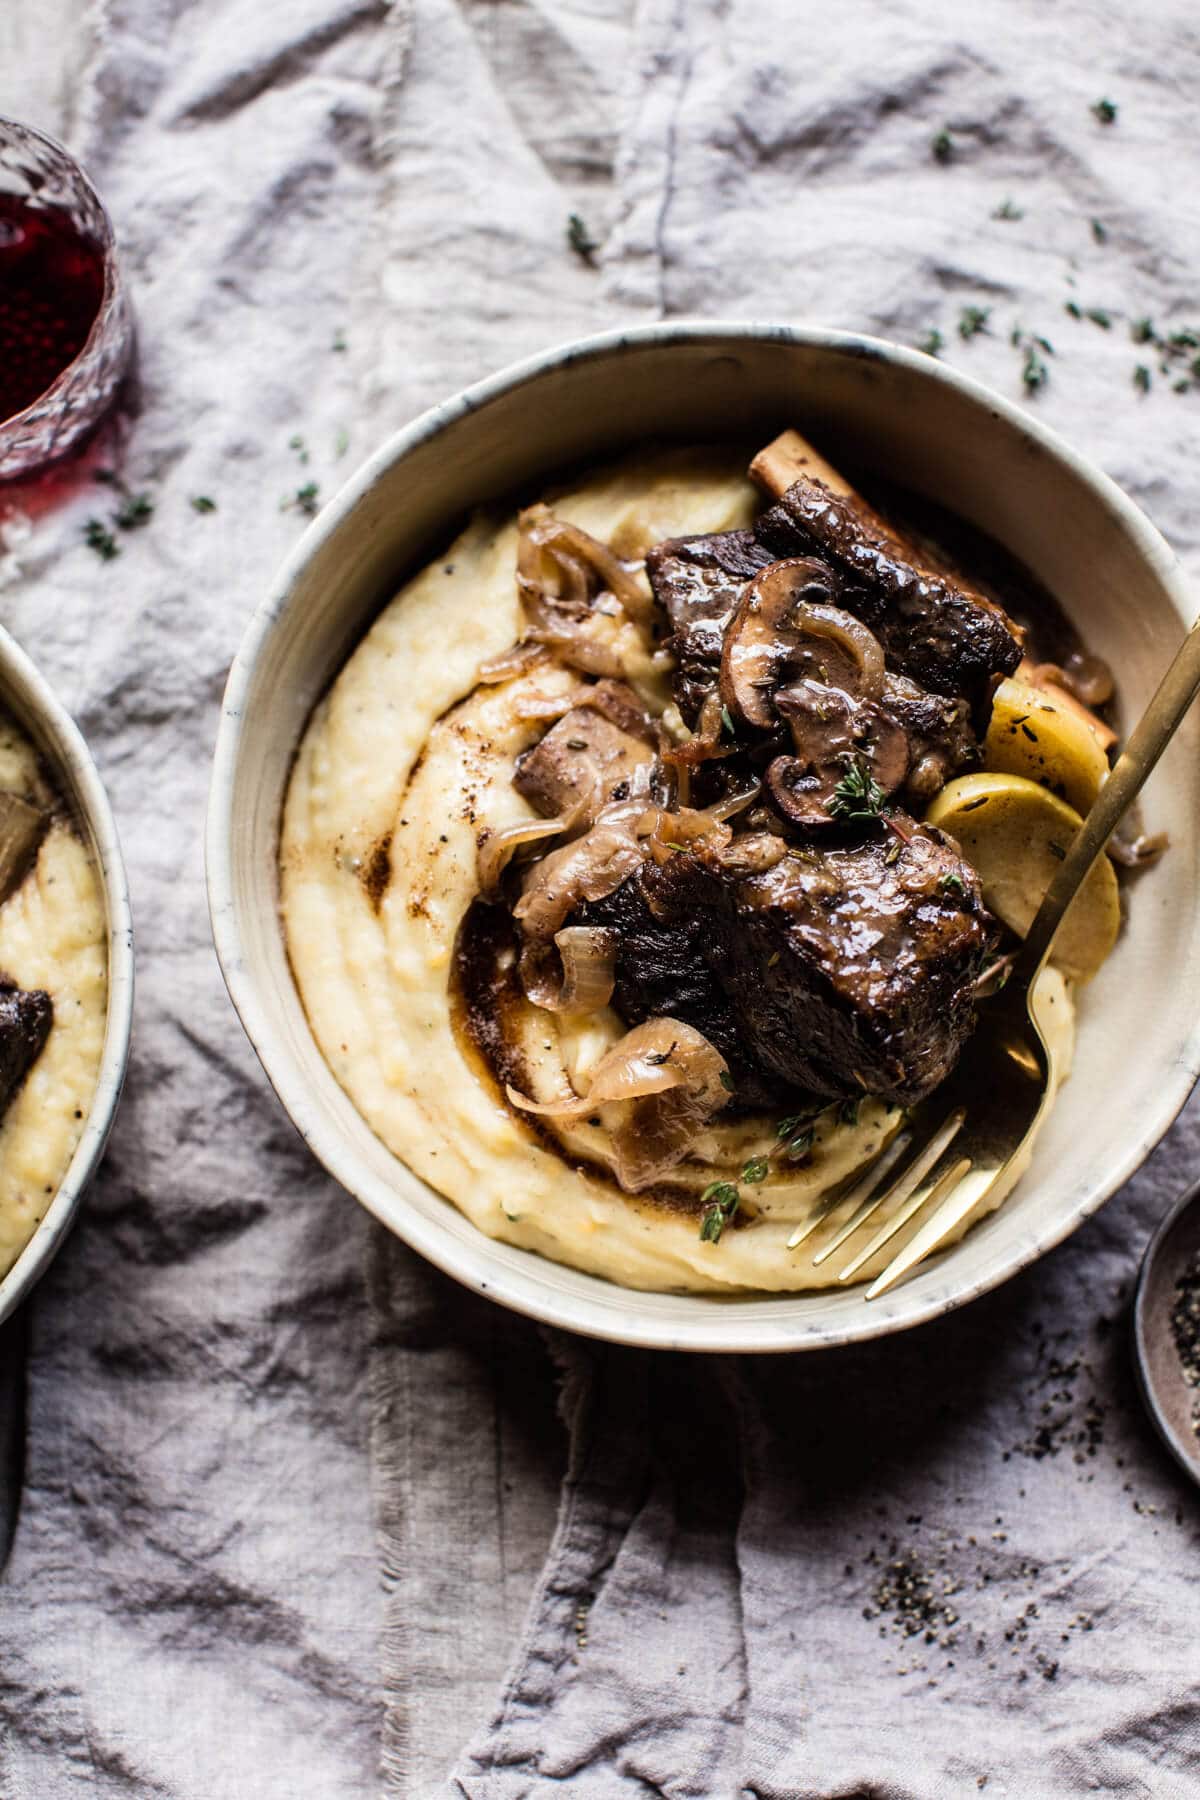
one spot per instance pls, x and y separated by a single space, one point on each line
859 1192
952 1211
934 1183
902 1185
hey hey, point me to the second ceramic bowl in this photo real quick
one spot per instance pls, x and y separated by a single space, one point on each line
31 702
882 407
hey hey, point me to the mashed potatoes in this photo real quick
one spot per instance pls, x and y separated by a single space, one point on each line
403 765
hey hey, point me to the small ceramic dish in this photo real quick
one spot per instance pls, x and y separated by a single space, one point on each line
869 403
30 701
1172 1403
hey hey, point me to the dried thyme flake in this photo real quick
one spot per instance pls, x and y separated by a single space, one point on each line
942 146
1105 111
1008 211
202 504
1141 378
932 341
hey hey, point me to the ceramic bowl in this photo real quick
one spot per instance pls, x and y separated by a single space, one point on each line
890 409
32 703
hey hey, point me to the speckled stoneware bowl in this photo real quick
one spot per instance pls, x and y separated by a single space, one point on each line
32 703
887 408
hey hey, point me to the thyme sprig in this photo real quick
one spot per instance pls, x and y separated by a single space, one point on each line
720 1200
857 795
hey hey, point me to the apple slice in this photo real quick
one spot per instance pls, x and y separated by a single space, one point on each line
1030 734
1015 833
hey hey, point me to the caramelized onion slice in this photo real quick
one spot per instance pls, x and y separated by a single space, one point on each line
518 659
499 847
589 968
562 565
663 1082
589 869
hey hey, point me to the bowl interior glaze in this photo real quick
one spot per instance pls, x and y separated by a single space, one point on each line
890 410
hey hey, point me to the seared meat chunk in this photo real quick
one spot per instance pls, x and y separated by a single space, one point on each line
846 970
25 1021
934 629
662 972
699 580
602 750
940 738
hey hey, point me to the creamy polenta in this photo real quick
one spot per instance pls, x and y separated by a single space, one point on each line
405 766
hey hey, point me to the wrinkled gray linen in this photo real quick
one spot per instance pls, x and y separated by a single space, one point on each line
951 1562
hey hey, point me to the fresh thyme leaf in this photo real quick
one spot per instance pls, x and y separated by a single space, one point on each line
97 538
720 1200
581 240
1008 211
1034 372
972 320
138 510
1105 111
794 1122
304 500
202 504
942 146
848 1111
726 1080
755 1171
1141 378
857 795
932 342
952 884
727 722
799 1146
1099 231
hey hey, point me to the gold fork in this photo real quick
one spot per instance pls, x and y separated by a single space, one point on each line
975 1129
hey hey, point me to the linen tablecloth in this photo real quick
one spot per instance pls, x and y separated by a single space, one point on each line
288 1493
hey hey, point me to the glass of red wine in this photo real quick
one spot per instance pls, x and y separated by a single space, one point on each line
66 328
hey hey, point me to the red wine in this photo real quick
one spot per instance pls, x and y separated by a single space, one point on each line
51 287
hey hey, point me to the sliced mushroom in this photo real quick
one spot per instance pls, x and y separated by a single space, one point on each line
800 795
831 733
785 628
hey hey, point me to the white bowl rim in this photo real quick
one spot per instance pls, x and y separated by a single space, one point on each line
69 756
714 1328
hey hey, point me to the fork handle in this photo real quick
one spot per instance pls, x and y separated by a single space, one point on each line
1149 738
